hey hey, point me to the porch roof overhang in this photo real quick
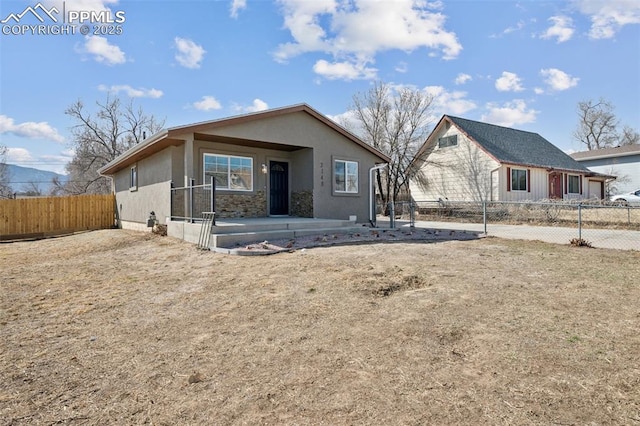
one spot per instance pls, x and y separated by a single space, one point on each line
174 136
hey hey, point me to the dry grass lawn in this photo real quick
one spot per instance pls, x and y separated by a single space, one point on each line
115 327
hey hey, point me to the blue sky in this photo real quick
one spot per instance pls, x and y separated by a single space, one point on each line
522 64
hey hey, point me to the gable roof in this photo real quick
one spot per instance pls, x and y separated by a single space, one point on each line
173 135
509 146
618 151
517 147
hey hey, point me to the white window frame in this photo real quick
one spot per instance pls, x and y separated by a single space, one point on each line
133 178
526 180
577 182
346 176
228 157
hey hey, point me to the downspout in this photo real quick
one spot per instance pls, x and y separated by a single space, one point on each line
372 206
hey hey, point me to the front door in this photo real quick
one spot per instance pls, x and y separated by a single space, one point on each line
555 185
278 188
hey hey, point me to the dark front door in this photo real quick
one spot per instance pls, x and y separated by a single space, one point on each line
278 188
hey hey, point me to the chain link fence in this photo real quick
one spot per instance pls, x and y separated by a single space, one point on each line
591 223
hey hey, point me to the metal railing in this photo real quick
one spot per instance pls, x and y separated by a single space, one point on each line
188 203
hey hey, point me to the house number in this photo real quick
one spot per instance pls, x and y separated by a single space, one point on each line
321 173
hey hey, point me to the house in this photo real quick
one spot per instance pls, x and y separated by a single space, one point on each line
622 162
465 160
290 161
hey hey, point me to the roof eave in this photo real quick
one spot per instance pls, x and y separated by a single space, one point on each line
123 160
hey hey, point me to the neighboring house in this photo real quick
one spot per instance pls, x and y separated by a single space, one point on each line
286 161
622 162
465 160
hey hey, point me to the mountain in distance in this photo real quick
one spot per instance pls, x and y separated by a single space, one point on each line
23 179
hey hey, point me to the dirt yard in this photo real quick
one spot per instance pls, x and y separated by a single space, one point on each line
115 327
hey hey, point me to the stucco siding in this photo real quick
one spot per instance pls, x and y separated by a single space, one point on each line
298 129
311 167
153 190
300 137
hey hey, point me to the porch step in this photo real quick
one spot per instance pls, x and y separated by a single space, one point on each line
235 239
229 226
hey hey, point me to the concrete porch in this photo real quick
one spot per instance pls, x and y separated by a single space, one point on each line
230 233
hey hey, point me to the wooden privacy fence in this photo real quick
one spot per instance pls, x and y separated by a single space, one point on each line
48 216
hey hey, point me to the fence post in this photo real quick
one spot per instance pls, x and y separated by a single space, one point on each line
412 214
192 182
579 221
211 203
171 199
392 215
484 215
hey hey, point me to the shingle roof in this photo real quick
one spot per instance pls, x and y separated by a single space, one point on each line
619 151
516 146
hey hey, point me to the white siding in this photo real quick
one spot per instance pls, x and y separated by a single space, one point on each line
538 185
461 172
626 169
466 173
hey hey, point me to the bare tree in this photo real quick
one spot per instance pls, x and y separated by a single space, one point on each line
32 189
101 137
5 188
598 126
396 122
472 167
629 136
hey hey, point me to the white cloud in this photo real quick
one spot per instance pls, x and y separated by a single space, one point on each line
558 80
520 25
509 82
609 16
257 105
462 78
84 5
102 51
562 29
510 114
454 103
343 70
132 92
54 163
207 103
18 156
348 120
189 54
402 67
29 129
355 32
236 6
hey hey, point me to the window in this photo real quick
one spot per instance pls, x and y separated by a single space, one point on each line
573 184
229 172
133 178
519 180
448 141
345 176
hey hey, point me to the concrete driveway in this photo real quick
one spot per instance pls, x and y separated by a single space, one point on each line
600 238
